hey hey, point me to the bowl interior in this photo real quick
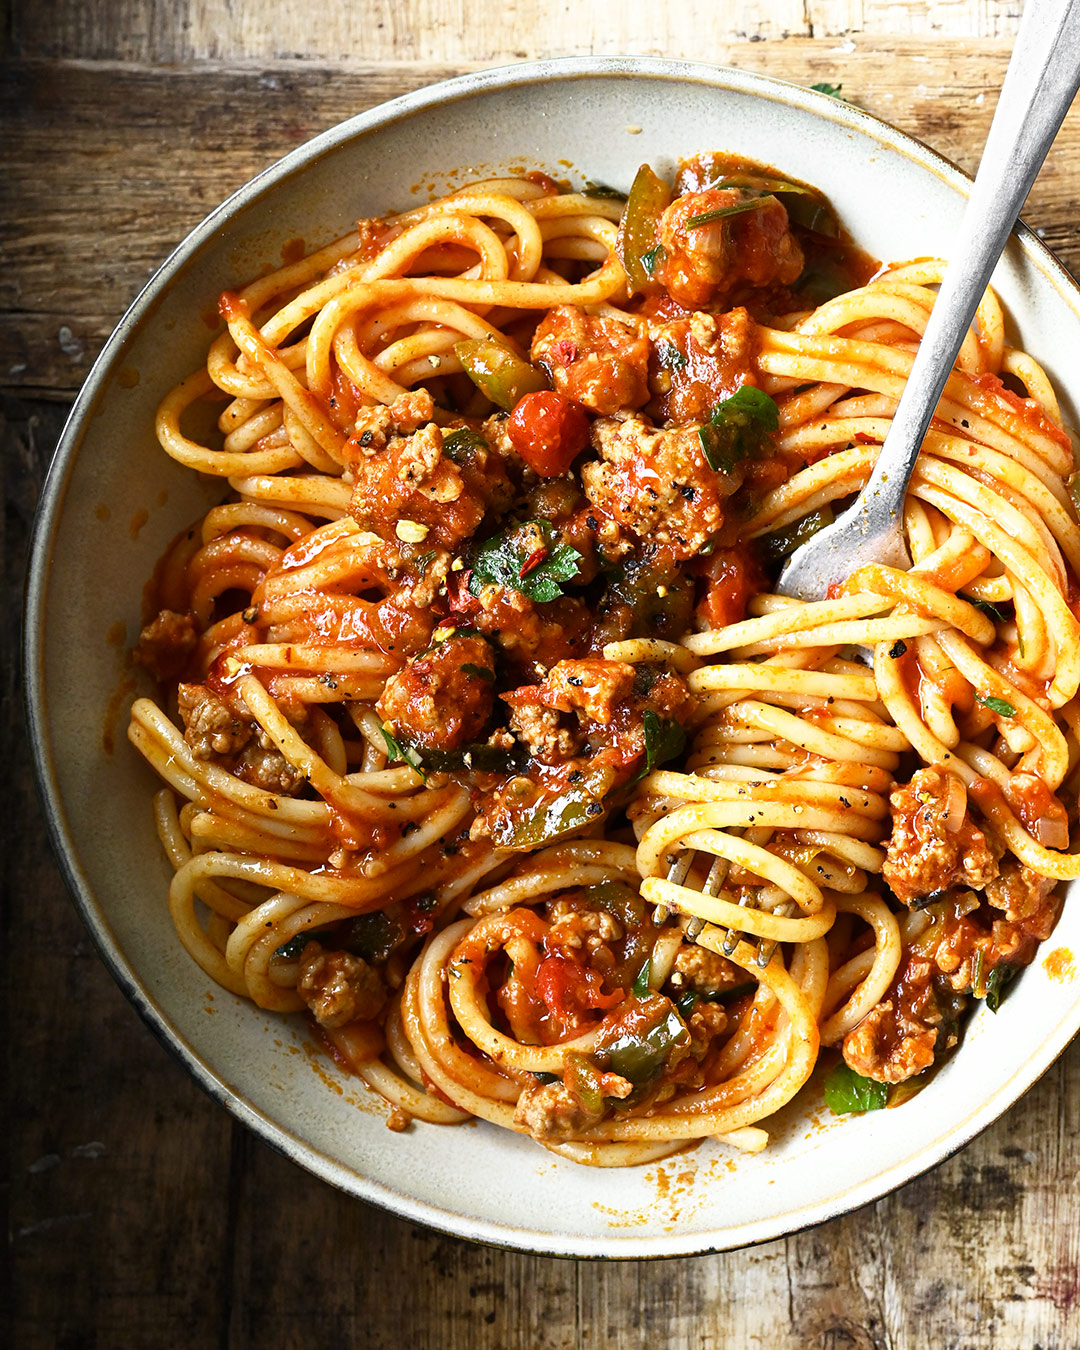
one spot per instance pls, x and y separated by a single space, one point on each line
114 501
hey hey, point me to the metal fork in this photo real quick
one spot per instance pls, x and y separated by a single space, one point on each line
1042 79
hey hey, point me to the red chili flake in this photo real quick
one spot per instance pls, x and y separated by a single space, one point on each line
861 438
535 558
835 591
458 595
565 352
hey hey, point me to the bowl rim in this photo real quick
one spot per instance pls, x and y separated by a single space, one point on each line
48 512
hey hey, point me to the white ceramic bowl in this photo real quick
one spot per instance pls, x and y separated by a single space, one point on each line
89 564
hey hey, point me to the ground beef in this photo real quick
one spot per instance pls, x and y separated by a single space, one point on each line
264 766
166 645
701 263
551 1112
545 733
552 719
698 362
922 856
599 362
899 1037
1026 897
435 702
339 987
211 725
409 489
594 687
705 972
376 425
883 1049
657 484
707 1021
531 636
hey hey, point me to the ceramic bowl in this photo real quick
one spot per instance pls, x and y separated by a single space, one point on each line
113 501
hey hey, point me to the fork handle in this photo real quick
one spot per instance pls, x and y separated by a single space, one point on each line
1041 81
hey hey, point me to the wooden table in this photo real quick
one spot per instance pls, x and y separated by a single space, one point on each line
140 1215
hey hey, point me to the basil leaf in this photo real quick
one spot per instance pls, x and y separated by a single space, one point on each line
833 90
722 212
592 189
664 740
737 427
848 1092
500 560
997 705
480 672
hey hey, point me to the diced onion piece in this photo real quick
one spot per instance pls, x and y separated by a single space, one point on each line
956 806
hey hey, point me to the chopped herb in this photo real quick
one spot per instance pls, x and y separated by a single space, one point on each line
602 190
546 1078
641 984
997 705
670 357
664 740
652 258
833 90
848 1092
996 983
984 607
424 561
289 951
722 212
458 442
685 1004
408 754
500 560
480 672
737 427
805 205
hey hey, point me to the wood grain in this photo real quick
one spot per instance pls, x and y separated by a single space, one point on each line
139 1215
146 153
473 30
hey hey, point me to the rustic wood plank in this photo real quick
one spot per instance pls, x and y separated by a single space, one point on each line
185 1229
177 158
117 1163
470 30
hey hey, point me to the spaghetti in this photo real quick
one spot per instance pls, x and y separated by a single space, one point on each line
490 747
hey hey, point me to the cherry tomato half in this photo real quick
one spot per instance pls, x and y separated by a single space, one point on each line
569 989
548 431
